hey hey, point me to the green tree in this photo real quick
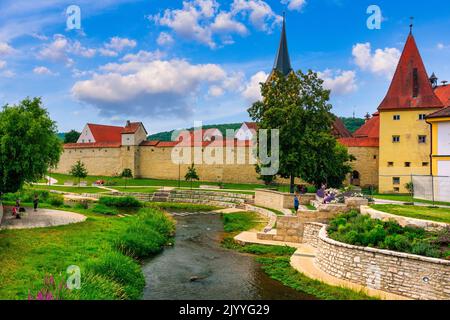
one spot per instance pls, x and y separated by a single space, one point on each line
79 171
126 174
71 136
191 175
299 107
29 145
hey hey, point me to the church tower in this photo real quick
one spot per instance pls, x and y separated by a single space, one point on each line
282 61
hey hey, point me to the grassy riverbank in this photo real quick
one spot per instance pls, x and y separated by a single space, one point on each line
107 249
275 261
418 212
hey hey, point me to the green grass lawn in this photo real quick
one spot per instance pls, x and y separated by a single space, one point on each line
275 261
136 189
433 214
68 189
62 178
406 198
27 256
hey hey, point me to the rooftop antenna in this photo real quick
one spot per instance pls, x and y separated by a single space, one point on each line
411 24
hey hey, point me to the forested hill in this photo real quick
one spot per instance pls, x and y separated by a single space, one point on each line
166 135
352 125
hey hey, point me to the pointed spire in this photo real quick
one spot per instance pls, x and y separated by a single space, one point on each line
282 61
410 86
411 25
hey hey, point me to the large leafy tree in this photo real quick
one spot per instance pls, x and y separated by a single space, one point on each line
71 136
191 174
29 145
126 174
298 105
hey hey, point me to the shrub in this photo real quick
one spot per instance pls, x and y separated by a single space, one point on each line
82 205
397 242
121 269
27 196
56 200
425 249
120 202
102 209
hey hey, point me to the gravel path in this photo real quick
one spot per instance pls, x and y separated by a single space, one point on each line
40 219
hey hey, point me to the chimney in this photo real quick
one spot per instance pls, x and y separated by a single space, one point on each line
367 117
128 123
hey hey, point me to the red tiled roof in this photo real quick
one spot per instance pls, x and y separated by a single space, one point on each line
443 113
360 142
132 127
339 130
400 93
443 93
92 145
366 136
251 125
149 143
104 133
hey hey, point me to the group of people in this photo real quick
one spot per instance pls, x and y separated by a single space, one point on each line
17 209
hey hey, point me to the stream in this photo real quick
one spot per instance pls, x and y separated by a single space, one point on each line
198 268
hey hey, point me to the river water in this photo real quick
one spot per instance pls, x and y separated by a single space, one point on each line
219 273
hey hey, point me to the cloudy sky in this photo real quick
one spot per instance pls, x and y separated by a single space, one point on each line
170 63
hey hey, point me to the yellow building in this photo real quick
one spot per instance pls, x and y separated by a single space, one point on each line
440 152
405 137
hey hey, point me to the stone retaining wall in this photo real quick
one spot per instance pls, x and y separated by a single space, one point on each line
1 212
291 228
400 273
404 221
280 200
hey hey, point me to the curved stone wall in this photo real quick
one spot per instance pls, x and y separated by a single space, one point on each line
405 274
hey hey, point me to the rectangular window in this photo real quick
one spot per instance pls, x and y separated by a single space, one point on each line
422 139
390 164
425 164
395 139
396 189
396 117
422 116
374 157
407 164
396 180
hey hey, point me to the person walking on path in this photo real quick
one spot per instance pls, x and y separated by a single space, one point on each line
296 203
35 202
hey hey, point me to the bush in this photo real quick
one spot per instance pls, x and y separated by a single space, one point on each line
122 270
56 200
27 196
426 249
102 209
120 202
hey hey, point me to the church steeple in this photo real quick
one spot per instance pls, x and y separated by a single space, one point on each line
282 60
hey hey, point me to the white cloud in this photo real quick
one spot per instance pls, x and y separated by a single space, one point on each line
216 91
157 88
339 82
381 62
252 91
5 49
42 71
8 74
119 44
165 39
2 64
107 53
442 46
294 5
201 20
144 56
61 48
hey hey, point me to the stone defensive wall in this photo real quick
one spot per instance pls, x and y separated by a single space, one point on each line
280 200
400 273
404 221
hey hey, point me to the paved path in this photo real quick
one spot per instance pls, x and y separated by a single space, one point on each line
40 219
303 261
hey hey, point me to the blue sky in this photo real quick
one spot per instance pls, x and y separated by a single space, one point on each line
170 63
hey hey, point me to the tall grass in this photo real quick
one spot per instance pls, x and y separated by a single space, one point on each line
120 202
